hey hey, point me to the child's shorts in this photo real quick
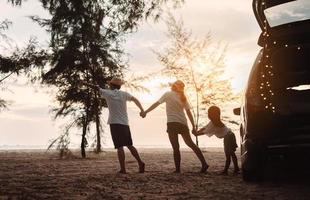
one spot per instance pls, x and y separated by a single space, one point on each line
230 144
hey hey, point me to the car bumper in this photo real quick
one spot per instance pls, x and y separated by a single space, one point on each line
257 152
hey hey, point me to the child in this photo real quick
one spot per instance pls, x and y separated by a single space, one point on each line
217 128
118 120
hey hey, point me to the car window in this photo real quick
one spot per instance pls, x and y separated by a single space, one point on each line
290 12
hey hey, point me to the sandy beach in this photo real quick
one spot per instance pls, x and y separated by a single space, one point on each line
39 175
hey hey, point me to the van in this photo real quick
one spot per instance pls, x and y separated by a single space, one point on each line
275 110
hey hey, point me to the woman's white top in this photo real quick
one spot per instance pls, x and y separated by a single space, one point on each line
174 107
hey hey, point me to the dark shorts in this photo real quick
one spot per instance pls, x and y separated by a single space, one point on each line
230 144
177 128
121 135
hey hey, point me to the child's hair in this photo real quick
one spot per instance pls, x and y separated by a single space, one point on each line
114 86
214 112
178 87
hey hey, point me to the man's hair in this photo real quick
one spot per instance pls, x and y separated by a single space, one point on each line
214 112
113 86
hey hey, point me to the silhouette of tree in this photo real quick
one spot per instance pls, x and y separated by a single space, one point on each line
200 63
8 64
4 25
85 45
21 60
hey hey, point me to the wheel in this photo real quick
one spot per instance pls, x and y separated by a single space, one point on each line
253 167
252 176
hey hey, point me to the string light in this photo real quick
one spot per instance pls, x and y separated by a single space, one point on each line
267 73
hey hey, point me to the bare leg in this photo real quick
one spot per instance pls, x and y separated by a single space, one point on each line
135 154
189 142
235 161
121 159
174 140
227 163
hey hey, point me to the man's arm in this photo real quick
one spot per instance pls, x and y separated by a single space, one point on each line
137 102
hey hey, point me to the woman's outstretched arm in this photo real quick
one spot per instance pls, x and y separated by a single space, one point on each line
152 107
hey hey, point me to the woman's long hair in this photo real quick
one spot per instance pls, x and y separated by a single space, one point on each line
178 87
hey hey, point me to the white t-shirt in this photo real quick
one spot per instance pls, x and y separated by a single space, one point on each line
210 129
174 107
117 105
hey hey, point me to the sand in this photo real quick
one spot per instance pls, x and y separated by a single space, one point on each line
40 175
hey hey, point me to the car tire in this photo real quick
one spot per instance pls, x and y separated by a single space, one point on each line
256 172
252 176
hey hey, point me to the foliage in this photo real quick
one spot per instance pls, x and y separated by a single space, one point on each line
85 46
156 8
200 63
62 142
16 2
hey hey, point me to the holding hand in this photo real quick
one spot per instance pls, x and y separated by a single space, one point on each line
143 114
194 131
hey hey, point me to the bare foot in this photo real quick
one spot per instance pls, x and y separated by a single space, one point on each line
224 172
204 168
122 172
142 167
236 171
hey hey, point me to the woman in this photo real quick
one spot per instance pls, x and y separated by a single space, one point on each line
176 102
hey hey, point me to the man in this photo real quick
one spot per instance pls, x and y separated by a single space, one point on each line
118 120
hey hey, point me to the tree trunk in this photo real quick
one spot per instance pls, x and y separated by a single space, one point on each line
98 147
83 142
197 143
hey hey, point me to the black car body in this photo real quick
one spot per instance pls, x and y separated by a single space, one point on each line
275 113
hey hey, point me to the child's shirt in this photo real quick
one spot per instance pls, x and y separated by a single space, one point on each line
210 129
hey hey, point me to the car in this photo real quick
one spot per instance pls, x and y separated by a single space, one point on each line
275 110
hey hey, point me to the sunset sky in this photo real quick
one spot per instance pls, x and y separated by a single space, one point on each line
28 121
